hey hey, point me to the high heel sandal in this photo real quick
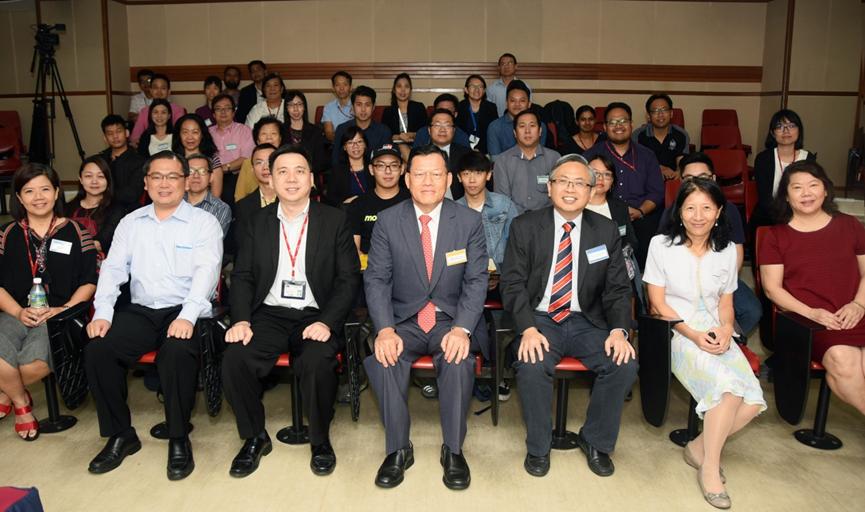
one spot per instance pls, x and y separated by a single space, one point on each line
30 425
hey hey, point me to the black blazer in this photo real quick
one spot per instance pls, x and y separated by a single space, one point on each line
764 175
244 210
246 100
484 116
333 270
619 212
339 184
313 141
603 288
417 118
456 153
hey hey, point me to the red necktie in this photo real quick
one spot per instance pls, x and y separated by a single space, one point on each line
560 298
426 317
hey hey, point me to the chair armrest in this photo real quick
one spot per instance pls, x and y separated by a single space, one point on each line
800 322
653 354
71 312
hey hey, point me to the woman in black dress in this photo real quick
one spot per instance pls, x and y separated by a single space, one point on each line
93 207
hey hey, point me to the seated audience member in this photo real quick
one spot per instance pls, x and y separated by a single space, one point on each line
273 104
160 89
143 98
231 80
338 110
94 208
198 191
560 311
500 134
303 133
212 89
435 312
522 172
475 112
784 145
387 169
667 141
813 263
404 116
289 295
446 101
127 166
497 210
350 177
170 253
638 180
193 137
233 142
498 91
267 130
580 142
691 275
746 305
160 130
441 129
264 195
376 134
38 244
253 93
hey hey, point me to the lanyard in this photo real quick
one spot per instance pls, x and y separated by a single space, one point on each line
359 184
40 253
292 255
403 124
474 119
781 166
630 165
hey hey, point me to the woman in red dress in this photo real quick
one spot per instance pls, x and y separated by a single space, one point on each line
813 263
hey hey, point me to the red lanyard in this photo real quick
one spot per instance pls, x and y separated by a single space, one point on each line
292 255
621 159
359 184
41 250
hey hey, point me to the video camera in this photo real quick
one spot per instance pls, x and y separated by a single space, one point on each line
47 37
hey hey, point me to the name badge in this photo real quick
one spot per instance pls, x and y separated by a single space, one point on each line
596 254
474 140
491 266
543 180
456 257
623 230
293 289
60 246
208 122
230 147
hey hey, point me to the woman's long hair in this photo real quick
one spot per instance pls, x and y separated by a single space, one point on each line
781 208
719 237
107 196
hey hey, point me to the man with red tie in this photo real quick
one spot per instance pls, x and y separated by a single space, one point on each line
565 283
425 284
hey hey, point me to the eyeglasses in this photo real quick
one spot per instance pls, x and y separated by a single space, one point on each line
615 123
446 126
295 104
355 143
383 167
566 184
604 175
659 111
223 110
785 127
199 171
435 175
476 87
159 178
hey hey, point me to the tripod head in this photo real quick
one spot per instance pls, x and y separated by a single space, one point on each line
47 39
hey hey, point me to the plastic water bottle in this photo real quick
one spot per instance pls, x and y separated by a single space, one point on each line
38 298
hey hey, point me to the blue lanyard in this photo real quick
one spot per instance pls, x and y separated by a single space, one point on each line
474 120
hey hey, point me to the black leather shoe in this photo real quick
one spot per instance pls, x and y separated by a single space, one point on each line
456 471
392 470
599 462
246 461
537 466
180 461
160 430
116 449
323 459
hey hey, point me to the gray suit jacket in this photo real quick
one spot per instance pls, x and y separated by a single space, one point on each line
396 281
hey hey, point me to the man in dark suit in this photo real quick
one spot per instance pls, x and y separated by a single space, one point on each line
565 283
252 93
294 282
245 209
425 283
442 126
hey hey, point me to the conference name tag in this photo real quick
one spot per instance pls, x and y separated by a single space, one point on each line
60 246
491 265
293 289
456 257
596 254
543 180
623 230
230 147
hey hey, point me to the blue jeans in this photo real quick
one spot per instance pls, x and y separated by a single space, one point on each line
747 308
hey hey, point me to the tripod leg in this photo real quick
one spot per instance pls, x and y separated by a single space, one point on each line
64 100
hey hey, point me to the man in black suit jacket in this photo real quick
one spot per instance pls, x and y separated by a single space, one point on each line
560 310
293 285
442 127
252 93
425 283
246 208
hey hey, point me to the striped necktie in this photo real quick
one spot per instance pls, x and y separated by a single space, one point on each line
560 298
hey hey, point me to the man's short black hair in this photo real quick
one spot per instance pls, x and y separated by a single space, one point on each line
167 155
160 76
446 97
255 62
615 105
697 157
474 161
507 54
256 149
111 120
527 112
143 72
518 85
426 149
289 149
363 90
662 96
213 80
201 156
340 73
231 66
223 96
442 111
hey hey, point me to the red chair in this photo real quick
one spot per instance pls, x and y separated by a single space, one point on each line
599 118
554 134
319 112
722 137
377 113
568 368
671 189
11 119
10 160
750 197
720 117
678 118
731 169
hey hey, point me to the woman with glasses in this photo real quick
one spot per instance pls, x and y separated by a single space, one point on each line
350 178
38 243
301 132
784 145
193 138
691 272
475 112
585 137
